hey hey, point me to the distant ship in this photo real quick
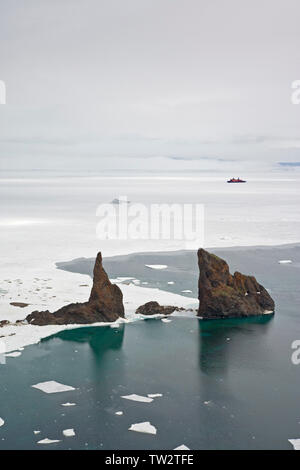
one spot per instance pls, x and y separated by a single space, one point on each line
236 180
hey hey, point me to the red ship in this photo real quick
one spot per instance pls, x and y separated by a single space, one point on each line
236 180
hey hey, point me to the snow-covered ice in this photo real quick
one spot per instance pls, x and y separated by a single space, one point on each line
182 447
68 404
69 432
145 427
156 266
53 387
13 354
154 395
140 398
166 320
295 443
285 261
119 413
1 422
48 441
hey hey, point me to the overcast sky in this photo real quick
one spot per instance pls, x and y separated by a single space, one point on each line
149 83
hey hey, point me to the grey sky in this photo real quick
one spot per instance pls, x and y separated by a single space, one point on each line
116 83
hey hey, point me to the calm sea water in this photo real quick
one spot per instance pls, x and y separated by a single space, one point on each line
225 384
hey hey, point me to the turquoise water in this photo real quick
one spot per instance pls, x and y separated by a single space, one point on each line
226 384
253 397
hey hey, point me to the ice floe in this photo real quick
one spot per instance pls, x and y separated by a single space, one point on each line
36 432
53 387
13 354
145 427
1 422
182 447
166 320
69 432
156 266
140 398
68 404
119 413
285 261
187 291
154 395
48 441
295 443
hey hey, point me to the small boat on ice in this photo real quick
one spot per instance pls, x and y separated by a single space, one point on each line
236 180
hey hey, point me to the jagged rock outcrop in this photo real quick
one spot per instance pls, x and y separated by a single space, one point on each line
153 308
222 295
104 305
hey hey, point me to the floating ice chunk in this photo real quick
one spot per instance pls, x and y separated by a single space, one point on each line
48 441
295 443
166 320
140 398
68 404
208 402
36 432
187 291
171 282
285 261
145 427
268 312
53 387
156 266
182 447
154 395
69 432
1 422
13 354
119 413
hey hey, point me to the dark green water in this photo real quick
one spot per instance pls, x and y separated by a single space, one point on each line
242 368
252 387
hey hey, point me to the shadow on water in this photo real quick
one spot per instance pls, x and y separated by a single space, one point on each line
218 340
100 339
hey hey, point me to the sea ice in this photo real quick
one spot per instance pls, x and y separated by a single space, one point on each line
171 282
187 291
119 413
69 432
145 427
182 447
36 432
154 395
166 320
156 266
48 441
53 387
68 404
13 354
295 443
140 398
1 422
285 261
